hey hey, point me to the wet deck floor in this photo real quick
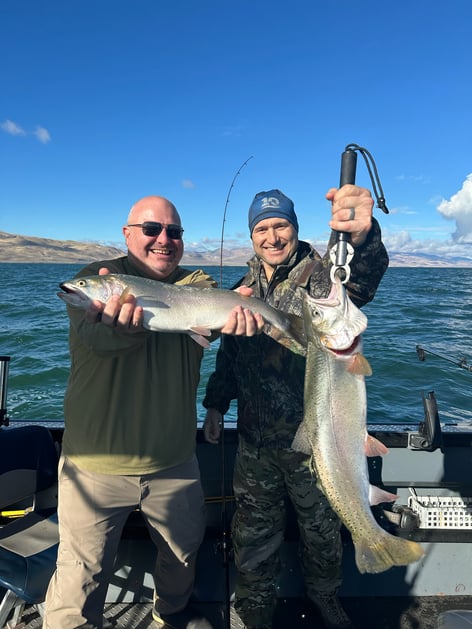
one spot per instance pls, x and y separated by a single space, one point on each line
365 612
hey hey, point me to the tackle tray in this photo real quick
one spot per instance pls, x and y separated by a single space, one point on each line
442 512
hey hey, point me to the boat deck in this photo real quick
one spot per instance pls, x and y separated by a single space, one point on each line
365 612
412 597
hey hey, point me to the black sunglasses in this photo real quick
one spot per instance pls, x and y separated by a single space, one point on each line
150 228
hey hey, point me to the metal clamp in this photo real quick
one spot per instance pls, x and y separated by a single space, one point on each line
341 254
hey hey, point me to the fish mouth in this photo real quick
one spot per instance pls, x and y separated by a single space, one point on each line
70 290
346 350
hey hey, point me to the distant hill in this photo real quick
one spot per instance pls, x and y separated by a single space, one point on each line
16 248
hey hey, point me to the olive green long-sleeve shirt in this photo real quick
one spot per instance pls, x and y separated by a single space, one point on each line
130 404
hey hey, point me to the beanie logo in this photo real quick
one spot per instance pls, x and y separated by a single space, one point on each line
270 202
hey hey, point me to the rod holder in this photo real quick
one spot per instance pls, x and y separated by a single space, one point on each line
4 364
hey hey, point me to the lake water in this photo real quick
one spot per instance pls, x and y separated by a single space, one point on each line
430 307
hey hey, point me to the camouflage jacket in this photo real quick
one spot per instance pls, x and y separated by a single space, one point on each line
266 378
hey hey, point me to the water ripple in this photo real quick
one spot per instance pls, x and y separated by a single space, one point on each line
427 307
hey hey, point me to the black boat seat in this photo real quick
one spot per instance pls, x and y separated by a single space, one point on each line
28 542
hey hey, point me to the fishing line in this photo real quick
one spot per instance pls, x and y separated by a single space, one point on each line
224 218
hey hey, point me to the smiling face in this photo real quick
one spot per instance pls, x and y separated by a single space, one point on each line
158 256
274 240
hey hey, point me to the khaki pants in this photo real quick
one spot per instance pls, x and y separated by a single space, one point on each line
93 509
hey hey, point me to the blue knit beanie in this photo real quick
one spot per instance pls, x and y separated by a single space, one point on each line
269 205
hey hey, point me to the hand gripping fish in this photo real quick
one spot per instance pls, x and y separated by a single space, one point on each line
334 429
182 308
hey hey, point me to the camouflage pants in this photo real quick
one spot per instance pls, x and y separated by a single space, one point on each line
263 479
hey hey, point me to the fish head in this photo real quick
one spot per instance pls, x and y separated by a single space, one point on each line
334 322
82 291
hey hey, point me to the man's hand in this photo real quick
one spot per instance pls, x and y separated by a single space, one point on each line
126 316
351 209
212 425
241 321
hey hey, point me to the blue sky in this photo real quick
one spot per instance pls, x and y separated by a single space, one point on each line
105 101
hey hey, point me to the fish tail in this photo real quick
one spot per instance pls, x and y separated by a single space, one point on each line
385 552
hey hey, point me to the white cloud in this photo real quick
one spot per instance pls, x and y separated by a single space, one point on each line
12 128
188 183
402 242
398 241
42 135
402 210
459 209
414 178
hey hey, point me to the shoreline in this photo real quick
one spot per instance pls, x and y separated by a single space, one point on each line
16 249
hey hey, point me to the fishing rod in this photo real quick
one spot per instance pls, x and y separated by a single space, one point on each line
225 544
342 251
462 362
4 363
224 218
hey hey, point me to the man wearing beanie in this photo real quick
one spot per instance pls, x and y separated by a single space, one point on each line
268 380
273 204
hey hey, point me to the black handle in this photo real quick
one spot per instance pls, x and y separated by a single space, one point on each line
348 167
348 175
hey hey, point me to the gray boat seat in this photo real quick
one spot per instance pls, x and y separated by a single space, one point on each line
455 619
29 533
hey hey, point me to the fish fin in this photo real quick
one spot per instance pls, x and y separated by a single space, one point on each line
201 340
359 365
201 331
301 442
384 552
374 447
378 495
124 295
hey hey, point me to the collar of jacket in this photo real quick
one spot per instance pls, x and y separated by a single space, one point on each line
283 271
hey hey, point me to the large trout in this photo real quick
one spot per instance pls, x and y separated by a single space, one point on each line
334 429
183 308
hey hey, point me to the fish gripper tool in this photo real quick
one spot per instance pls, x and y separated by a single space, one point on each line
342 252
